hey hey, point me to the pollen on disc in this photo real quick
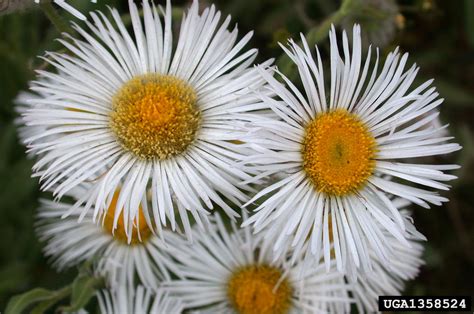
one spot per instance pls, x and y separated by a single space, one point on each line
258 289
140 232
338 153
155 116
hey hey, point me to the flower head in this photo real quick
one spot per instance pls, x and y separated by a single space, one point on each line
69 243
232 270
132 114
344 153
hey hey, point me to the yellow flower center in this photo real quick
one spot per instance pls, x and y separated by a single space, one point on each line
155 116
253 290
338 153
119 233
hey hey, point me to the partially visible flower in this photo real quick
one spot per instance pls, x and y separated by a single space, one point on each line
233 271
345 151
135 114
387 279
70 243
388 246
139 300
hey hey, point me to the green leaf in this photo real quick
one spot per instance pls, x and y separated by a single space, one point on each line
20 302
41 307
83 288
45 298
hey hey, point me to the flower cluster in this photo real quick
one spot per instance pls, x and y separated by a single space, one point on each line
193 179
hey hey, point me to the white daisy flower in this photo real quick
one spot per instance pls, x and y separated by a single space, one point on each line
233 271
138 300
70 243
343 151
136 114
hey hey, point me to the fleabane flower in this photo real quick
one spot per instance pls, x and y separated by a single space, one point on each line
130 112
229 270
139 300
70 243
344 154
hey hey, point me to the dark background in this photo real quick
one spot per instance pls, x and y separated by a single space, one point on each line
439 35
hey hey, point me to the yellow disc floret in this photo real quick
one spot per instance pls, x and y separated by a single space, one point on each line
119 233
155 116
338 153
257 289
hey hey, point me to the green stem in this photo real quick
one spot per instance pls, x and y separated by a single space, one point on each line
316 35
54 17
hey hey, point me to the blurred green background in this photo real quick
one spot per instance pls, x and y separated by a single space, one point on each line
439 35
